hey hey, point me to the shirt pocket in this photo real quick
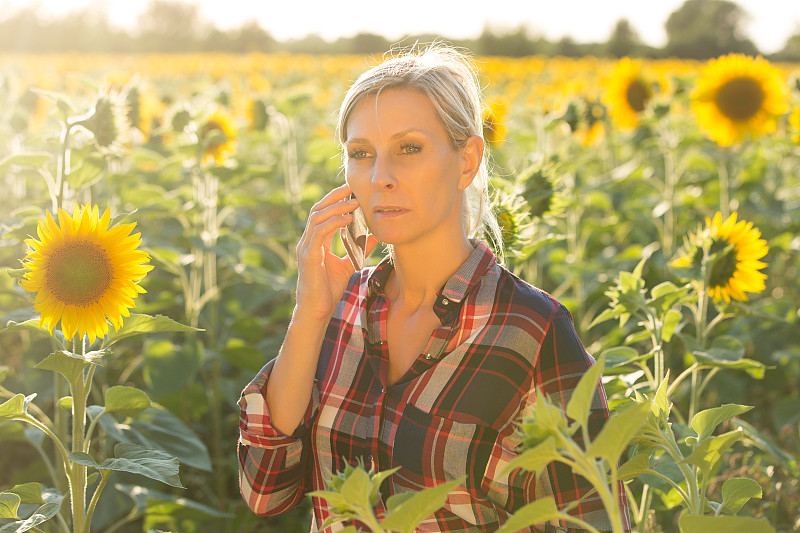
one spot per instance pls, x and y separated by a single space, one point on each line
432 449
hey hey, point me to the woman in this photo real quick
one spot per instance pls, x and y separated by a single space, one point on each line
426 361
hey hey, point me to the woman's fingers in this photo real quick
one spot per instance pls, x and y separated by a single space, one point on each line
325 210
336 195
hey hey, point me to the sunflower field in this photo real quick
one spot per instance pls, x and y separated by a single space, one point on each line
149 214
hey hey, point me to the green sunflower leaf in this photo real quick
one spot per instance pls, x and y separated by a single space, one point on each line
154 464
136 324
723 524
409 513
126 401
16 406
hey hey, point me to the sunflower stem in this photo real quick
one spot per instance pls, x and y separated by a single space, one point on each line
77 471
671 178
62 166
724 184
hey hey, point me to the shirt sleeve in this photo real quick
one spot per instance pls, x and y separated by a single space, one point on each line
561 363
273 467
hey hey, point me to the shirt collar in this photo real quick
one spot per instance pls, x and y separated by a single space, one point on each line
457 286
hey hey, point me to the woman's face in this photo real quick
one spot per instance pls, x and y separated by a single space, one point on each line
403 169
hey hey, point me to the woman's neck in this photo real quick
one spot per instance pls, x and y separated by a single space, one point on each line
420 270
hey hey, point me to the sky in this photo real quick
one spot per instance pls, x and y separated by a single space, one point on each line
770 23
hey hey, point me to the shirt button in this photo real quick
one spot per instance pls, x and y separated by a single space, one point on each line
383 390
445 301
428 356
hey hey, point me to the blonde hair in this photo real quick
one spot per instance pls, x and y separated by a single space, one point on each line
449 79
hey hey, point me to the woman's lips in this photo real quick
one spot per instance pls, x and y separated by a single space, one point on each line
388 212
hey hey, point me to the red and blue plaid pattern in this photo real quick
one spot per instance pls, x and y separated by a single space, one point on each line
454 412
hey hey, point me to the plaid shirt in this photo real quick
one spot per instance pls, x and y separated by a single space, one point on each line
454 412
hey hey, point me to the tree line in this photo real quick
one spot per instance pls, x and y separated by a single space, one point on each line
698 29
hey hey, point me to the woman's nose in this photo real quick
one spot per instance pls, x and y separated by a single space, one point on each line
383 174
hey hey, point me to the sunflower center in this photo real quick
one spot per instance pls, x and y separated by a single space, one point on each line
79 273
740 98
724 265
637 95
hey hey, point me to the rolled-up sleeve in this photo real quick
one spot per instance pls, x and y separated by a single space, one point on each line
273 467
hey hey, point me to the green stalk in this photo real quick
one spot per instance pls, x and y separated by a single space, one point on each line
62 169
105 474
670 181
588 468
78 472
724 185
689 473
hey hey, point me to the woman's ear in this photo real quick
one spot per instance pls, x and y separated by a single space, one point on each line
471 156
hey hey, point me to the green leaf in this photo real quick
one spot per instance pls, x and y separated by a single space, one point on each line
788 462
158 428
638 465
126 401
607 314
52 503
708 452
723 524
661 401
755 369
724 348
705 422
69 367
9 505
736 492
619 355
537 512
65 403
154 464
16 406
395 500
28 325
618 432
28 493
536 458
30 160
16 273
143 497
408 514
136 324
666 294
356 489
671 320
580 404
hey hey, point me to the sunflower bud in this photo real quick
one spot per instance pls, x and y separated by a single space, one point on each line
259 117
107 121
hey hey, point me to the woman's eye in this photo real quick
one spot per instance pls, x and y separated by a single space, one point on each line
410 148
357 154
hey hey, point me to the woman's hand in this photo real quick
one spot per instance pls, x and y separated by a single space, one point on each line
322 275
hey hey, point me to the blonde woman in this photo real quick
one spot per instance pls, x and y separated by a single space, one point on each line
426 361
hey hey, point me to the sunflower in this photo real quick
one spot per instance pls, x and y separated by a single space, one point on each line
586 119
83 272
737 95
494 131
733 250
217 136
108 120
794 123
627 93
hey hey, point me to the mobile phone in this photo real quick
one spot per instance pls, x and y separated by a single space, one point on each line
354 238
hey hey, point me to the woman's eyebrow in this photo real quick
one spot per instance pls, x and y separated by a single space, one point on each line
397 135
